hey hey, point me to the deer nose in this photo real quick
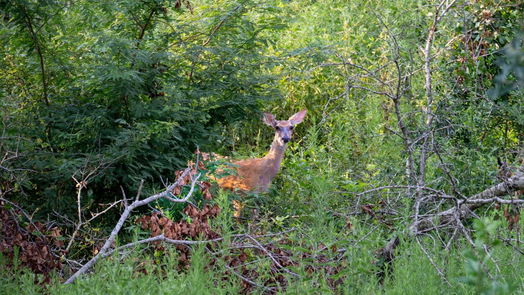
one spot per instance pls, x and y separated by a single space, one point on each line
285 139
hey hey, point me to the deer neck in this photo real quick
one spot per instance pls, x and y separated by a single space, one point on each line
275 156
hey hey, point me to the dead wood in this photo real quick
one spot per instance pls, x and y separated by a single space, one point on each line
465 207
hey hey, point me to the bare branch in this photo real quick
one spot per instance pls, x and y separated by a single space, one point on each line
123 218
26 215
220 24
271 256
252 283
440 11
440 193
464 208
439 271
139 192
159 238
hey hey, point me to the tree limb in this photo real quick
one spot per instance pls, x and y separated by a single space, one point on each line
465 207
137 203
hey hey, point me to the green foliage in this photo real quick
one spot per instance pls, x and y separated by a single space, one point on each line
489 113
131 95
411 273
118 277
511 76
476 260
129 89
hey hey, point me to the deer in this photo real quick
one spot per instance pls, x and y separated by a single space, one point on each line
255 174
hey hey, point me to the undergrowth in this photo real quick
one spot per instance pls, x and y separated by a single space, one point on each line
421 266
120 92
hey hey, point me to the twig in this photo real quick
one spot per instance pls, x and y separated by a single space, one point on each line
465 207
440 11
488 254
509 242
26 215
39 51
220 24
158 238
80 185
139 192
439 271
440 193
494 200
261 247
124 217
252 283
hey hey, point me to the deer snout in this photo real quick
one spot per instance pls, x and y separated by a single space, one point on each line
285 139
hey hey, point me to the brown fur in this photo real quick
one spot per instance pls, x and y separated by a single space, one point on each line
255 175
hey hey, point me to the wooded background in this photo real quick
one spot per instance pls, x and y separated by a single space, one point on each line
406 175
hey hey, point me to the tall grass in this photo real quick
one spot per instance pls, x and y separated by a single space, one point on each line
410 273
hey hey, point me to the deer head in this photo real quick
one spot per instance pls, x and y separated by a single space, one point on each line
284 128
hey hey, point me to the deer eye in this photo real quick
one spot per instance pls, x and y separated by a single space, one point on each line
277 128
291 127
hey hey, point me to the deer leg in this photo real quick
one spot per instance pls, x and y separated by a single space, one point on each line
238 206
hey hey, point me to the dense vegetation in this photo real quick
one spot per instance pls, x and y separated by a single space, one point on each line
414 107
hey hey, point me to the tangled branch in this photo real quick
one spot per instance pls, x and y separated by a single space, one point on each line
127 211
465 207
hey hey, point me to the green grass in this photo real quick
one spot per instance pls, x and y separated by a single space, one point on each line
410 273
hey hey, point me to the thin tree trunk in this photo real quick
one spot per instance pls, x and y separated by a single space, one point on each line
40 54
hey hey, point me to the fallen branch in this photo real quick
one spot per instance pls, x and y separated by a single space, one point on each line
251 282
465 207
235 246
128 208
262 248
439 271
437 192
160 238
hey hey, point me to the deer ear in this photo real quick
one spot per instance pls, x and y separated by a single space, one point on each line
269 119
298 117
